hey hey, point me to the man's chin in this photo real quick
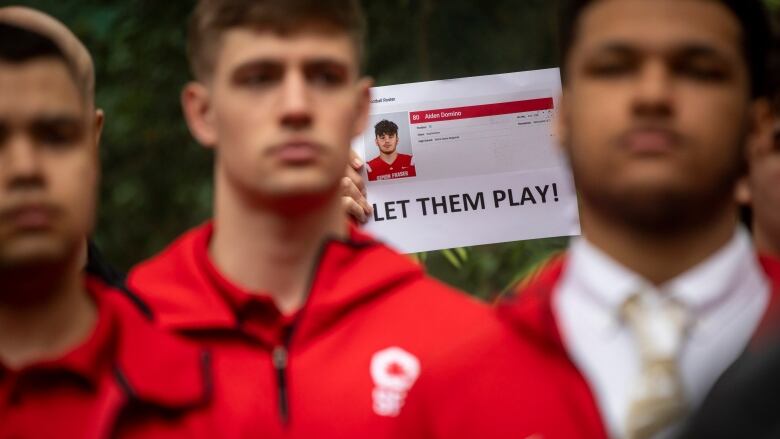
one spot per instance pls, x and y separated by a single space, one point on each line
660 209
302 196
30 253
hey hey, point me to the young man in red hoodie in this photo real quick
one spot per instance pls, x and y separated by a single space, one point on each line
625 334
317 329
76 357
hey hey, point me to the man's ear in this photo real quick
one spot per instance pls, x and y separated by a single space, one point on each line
760 136
98 122
363 105
761 127
742 192
198 112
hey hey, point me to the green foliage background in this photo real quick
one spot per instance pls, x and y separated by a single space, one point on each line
157 181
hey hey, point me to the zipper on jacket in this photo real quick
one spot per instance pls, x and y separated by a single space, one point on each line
279 357
281 352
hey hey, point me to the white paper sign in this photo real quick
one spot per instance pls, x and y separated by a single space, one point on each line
474 162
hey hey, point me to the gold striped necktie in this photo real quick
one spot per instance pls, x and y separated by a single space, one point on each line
658 400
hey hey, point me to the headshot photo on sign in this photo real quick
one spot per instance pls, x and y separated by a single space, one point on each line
389 153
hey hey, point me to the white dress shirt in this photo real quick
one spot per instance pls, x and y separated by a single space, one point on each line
725 297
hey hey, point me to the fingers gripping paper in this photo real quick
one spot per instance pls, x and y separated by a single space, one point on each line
466 162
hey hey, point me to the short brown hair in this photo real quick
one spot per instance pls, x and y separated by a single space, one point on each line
212 18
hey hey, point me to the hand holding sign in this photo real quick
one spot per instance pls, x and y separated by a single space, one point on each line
478 167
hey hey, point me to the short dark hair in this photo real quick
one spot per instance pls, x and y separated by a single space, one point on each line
752 16
18 45
385 127
212 18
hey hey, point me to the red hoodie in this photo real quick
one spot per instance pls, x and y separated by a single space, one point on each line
129 379
346 364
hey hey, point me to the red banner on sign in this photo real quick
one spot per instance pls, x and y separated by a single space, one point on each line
498 109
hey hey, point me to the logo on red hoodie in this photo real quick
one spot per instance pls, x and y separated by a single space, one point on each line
394 372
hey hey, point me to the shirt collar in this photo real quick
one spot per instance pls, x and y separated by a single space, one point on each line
603 280
710 282
607 283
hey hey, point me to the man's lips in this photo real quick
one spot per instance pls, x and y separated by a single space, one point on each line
650 141
297 151
29 216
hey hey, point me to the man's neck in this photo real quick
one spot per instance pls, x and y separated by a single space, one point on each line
265 251
44 319
660 257
389 158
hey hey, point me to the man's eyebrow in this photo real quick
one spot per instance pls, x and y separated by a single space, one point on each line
698 50
276 62
58 119
612 47
325 61
259 63
694 49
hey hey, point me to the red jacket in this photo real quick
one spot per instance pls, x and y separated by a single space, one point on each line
128 380
344 366
529 389
557 395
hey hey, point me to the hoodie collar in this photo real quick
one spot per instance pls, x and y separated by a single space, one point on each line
190 294
153 367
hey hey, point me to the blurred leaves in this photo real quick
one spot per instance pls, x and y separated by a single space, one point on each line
452 257
157 181
490 271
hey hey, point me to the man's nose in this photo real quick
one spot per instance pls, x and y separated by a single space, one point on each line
20 161
654 94
296 101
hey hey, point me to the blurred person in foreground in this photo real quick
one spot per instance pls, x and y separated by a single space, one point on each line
317 329
625 334
746 400
664 290
76 358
